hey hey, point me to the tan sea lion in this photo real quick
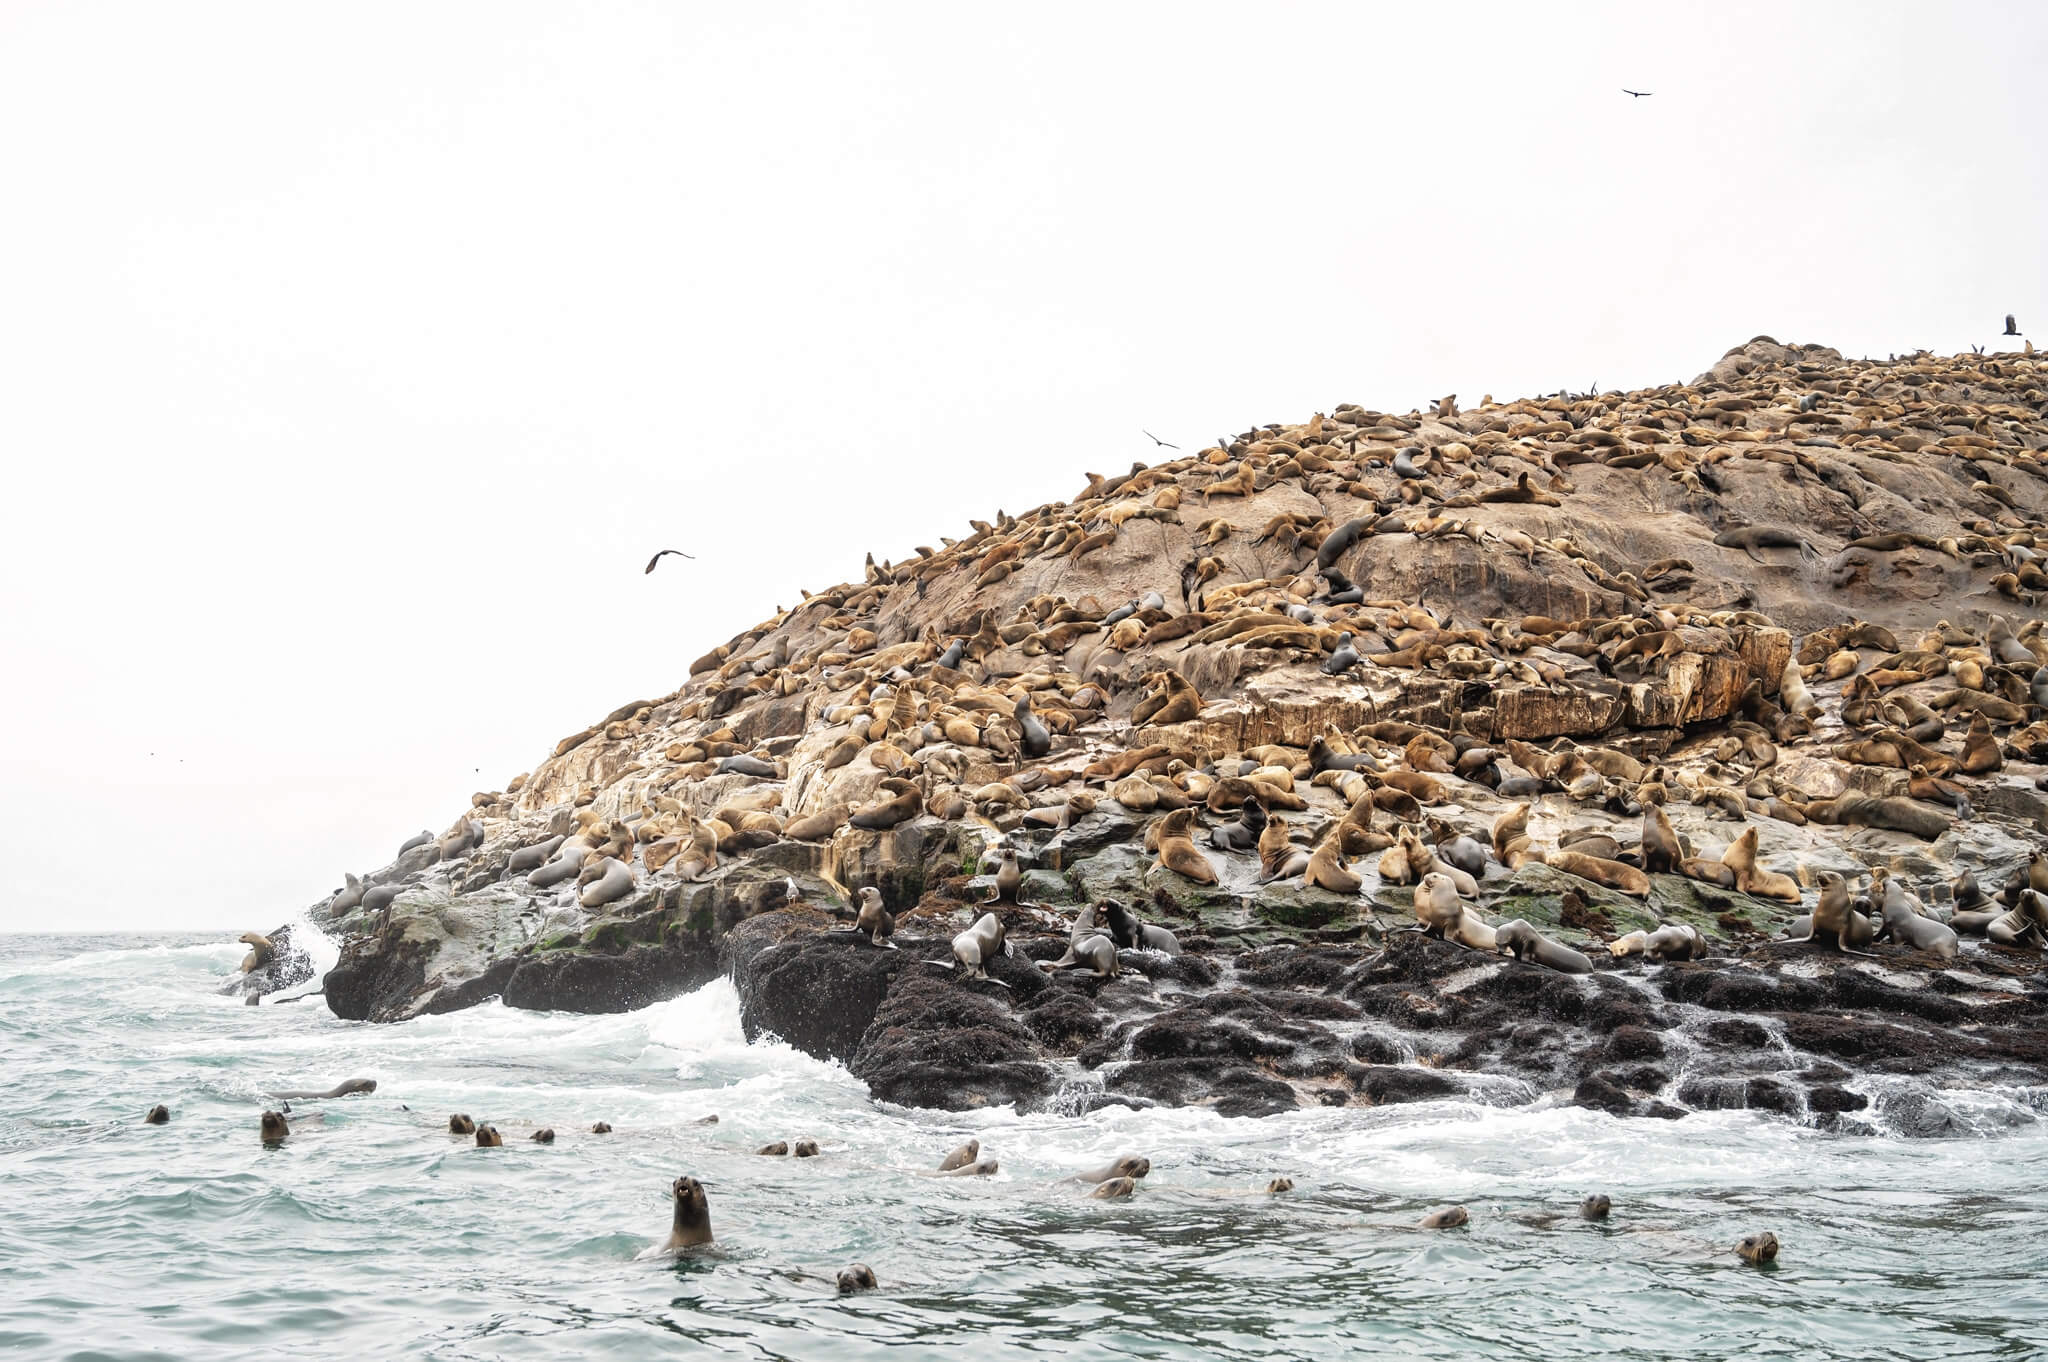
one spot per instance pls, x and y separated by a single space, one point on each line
691 1225
1757 1248
1833 919
961 1157
1177 850
460 1124
1740 857
1134 1166
273 1128
261 952
1673 941
779 1149
1444 1218
1599 870
1661 850
487 1137
1279 1185
980 1168
545 1135
1110 1189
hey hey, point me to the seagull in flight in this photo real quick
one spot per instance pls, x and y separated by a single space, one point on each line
665 553
2012 328
1639 94
1156 440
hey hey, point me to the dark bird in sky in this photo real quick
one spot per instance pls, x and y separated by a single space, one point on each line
665 553
1156 440
2012 328
1639 94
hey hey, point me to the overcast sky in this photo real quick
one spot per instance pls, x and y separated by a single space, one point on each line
353 358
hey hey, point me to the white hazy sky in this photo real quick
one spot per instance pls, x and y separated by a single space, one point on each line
353 358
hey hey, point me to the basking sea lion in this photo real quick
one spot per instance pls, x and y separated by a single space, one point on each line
1177 850
1095 952
157 1115
1661 852
874 921
978 945
1599 870
1110 1189
1009 883
1740 857
857 1277
341 1089
1443 1218
1326 868
614 882
1750 538
1673 941
961 1157
691 1226
1524 942
1833 918
2026 922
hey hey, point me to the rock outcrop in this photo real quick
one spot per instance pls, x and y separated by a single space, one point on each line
1797 598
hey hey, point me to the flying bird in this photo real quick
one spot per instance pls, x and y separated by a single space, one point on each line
1639 94
2012 328
665 553
1157 441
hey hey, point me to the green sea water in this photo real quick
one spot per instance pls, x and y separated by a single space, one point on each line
375 1234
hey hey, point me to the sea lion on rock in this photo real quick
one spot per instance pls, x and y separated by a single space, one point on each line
1908 928
157 1115
1131 934
978 945
1833 918
2025 924
1750 538
567 863
1625 878
614 882
1740 857
1326 867
534 857
904 802
1242 835
1673 941
1524 942
261 952
857 1277
1661 850
344 1088
1177 850
873 921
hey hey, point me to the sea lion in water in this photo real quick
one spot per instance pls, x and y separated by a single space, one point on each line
978 945
1111 1189
341 1089
1279 1185
261 952
1443 1218
980 1168
961 1157
274 1128
157 1115
1524 942
857 1277
601 1128
1133 1166
1757 1248
691 1225
1595 1207
545 1135
487 1137
776 1150
460 1124
806 1149
1908 928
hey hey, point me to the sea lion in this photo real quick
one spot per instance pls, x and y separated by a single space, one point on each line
1036 739
341 1089
1133 1166
1661 851
978 945
261 952
1111 1189
567 863
487 1137
1278 858
857 1277
1750 538
1740 857
1095 952
1443 1218
1757 1248
1129 933
777 1150
1599 870
874 921
418 839
980 1168
961 1157
1279 1185
2026 922
1672 941
601 1128
614 882
1524 942
1242 835
273 1128
545 1135
1177 850
1595 1207
904 802
460 1124
1833 918
1326 867
1009 875
691 1225
806 1149
534 857
157 1115
1908 928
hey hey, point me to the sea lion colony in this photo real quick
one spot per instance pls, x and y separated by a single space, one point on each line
1627 668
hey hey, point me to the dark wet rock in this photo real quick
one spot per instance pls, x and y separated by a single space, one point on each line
1375 1047
1828 1097
1633 1042
1236 1090
1383 1084
578 981
1064 1021
1919 1115
1737 1033
1603 1094
937 1043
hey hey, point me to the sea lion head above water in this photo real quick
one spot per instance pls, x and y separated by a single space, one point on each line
274 1128
1596 1206
487 1137
1758 1248
1279 1185
601 1128
460 1124
545 1135
1443 1218
1111 1189
157 1115
692 1223
858 1277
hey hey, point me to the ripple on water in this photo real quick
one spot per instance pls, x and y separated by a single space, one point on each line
376 1233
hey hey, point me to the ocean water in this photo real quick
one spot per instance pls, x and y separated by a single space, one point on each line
376 1234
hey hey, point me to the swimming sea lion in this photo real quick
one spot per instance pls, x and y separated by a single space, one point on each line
1279 1185
692 1223
1134 1166
961 1157
980 1168
1524 942
776 1150
1757 1248
341 1089
157 1115
1596 1206
487 1137
274 1128
601 1128
1110 1189
460 1124
806 1149
1443 1218
857 1277
545 1135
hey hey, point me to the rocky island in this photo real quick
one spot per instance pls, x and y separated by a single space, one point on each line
1703 726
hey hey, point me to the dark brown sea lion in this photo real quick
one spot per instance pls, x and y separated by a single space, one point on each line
157 1115
460 1124
691 1225
857 1277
